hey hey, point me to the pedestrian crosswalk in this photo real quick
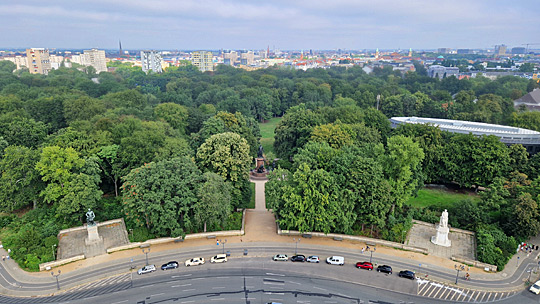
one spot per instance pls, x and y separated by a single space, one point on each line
436 290
114 280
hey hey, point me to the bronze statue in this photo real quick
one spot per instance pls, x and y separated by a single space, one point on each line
260 169
261 151
90 216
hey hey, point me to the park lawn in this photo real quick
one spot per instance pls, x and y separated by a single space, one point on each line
427 197
267 134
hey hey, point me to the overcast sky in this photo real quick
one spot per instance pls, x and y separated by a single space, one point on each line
255 24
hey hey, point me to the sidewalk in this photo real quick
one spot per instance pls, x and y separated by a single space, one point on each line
260 228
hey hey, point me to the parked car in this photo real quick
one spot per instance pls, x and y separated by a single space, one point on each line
194 262
364 265
147 269
220 258
280 257
335 260
406 274
385 269
169 265
313 259
535 288
298 258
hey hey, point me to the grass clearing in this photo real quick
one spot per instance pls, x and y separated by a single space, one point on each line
427 197
267 134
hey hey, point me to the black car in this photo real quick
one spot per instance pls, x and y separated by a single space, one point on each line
385 269
406 274
170 265
298 258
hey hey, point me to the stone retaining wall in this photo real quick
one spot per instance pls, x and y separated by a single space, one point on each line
49 265
475 263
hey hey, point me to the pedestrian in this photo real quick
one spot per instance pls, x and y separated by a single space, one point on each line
4 258
7 257
367 248
363 250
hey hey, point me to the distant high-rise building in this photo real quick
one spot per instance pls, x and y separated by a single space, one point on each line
95 58
20 61
202 60
120 48
518 50
230 58
500 50
151 60
441 72
247 58
38 61
443 51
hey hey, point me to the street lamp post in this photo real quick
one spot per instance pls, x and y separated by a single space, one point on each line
146 251
296 240
223 243
371 253
403 237
131 271
530 272
53 254
458 268
56 277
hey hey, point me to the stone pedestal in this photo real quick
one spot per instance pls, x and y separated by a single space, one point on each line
260 161
441 238
93 236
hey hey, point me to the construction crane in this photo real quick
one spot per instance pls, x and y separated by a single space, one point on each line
527 48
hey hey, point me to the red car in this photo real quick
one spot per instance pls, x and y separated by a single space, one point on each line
364 265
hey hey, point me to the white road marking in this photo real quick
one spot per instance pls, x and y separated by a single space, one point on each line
218 299
146 286
179 276
184 285
218 287
315 287
157 294
275 274
188 290
120 302
187 302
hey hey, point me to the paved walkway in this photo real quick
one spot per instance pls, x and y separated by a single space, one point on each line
260 228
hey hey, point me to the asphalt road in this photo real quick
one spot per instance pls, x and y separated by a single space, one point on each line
246 279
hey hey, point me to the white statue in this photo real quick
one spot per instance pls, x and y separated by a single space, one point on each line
444 219
441 238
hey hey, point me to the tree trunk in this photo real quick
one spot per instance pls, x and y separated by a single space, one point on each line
115 187
204 226
34 206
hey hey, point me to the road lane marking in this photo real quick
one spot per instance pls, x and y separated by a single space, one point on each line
489 296
146 286
120 302
275 274
188 290
483 295
222 277
315 287
157 294
179 276
294 282
438 291
187 302
218 287
434 288
184 285
218 299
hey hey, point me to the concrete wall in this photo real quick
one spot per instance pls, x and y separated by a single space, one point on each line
49 265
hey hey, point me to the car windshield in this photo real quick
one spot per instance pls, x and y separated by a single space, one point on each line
536 286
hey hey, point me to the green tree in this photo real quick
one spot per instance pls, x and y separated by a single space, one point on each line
19 180
214 202
174 114
82 108
161 195
401 161
227 154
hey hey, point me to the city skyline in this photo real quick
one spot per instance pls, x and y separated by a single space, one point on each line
230 24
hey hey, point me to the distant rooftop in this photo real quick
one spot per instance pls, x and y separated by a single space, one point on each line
507 134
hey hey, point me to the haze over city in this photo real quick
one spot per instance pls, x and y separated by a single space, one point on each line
233 24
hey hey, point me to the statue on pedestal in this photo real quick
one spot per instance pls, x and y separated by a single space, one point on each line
441 238
90 216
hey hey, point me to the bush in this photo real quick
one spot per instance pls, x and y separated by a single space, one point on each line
234 221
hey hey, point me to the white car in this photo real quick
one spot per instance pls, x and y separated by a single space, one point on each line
220 258
194 262
335 260
535 288
147 269
280 257
313 259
